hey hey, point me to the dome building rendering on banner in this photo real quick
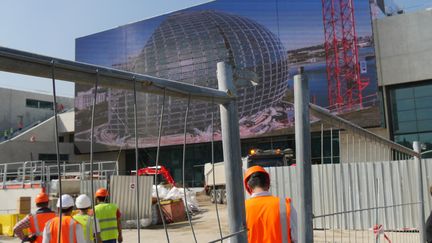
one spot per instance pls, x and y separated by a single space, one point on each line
186 47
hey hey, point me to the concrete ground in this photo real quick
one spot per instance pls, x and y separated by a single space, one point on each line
204 223
206 229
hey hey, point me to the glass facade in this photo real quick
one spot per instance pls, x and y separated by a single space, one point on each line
199 154
411 114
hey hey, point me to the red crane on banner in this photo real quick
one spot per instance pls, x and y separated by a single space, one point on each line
345 85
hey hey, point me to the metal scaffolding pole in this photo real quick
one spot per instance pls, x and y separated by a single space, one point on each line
417 159
16 61
303 158
232 156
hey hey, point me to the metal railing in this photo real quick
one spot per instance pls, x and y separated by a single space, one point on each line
29 173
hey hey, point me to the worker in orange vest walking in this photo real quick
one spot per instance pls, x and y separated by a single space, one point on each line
71 230
269 219
35 222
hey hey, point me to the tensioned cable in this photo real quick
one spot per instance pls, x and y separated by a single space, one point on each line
213 169
57 148
183 169
157 166
136 165
91 148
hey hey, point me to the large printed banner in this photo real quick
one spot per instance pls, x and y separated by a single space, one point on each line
270 37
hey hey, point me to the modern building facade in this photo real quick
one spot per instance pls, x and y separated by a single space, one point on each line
20 109
38 142
404 61
186 46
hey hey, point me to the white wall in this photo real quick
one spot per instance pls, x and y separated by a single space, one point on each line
404 47
13 105
356 149
21 148
12 195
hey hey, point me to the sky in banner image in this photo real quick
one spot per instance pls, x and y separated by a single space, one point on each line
271 38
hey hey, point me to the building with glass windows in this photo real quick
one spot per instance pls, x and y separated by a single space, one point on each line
186 46
404 61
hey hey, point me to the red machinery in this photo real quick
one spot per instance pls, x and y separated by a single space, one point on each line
345 85
160 170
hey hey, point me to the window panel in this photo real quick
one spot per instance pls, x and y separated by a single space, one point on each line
423 90
424 125
45 105
424 102
406 139
424 114
405 127
408 115
402 105
403 93
32 103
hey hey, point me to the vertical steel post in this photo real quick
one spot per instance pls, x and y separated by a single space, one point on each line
232 156
303 157
416 147
5 175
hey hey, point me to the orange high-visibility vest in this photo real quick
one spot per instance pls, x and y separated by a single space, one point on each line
68 229
37 223
263 219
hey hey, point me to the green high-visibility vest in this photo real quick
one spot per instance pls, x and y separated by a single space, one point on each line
106 213
86 221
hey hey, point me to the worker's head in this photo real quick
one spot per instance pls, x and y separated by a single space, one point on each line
83 202
42 200
67 204
101 195
256 178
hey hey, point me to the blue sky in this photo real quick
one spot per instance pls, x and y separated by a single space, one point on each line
50 27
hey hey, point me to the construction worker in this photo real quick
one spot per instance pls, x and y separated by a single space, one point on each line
269 219
428 224
108 215
71 230
83 204
35 222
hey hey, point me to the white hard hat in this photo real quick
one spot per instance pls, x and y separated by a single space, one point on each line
66 200
83 201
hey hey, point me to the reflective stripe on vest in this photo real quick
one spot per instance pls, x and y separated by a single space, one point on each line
72 229
106 213
283 219
37 223
69 226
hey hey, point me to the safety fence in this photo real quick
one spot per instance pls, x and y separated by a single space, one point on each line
375 192
349 200
122 190
189 104
32 173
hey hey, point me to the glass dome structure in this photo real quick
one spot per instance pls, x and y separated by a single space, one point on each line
186 47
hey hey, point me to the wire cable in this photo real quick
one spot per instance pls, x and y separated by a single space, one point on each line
136 164
183 168
157 166
57 147
91 149
213 169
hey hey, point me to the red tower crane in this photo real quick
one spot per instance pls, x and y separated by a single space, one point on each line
345 85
